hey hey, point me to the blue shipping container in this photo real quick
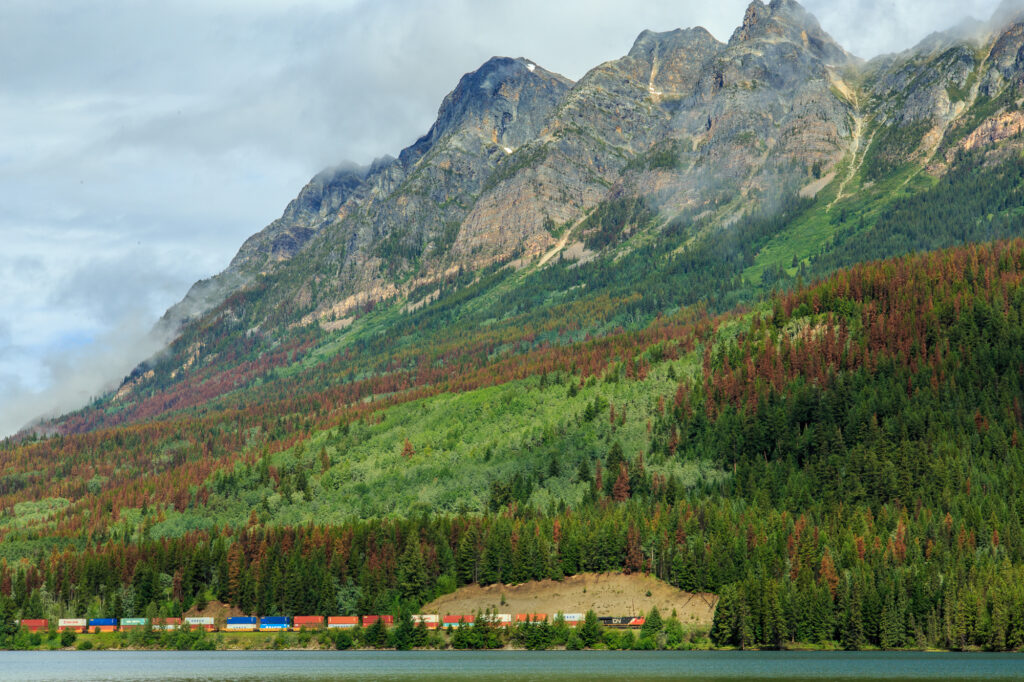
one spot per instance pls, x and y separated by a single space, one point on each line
102 622
274 623
243 620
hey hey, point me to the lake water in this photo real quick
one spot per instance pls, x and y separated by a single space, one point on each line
503 665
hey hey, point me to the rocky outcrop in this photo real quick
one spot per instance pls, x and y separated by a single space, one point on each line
692 125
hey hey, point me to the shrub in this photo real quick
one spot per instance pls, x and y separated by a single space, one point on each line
342 640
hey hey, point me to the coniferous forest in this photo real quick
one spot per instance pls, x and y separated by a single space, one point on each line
746 317
840 465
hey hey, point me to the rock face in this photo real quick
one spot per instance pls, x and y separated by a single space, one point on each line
694 126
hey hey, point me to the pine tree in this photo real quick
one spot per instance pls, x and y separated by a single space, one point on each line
590 631
620 489
652 624
412 571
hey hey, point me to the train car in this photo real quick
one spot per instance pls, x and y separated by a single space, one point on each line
35 624
242 624
133 624
308 622
102 624
498 620
429 620
457 621
621 621
201 623
531 617
573 619
342 622
167 623
72 624
274 623
371 620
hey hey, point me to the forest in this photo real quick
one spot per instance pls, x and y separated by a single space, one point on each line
859 443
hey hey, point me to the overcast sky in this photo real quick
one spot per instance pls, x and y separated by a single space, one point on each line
142 142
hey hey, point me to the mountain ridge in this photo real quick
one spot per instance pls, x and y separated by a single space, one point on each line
684 133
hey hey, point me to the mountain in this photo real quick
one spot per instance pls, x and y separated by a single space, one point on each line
571 329
663 161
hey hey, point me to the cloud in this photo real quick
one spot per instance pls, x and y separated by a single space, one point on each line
143 142
72 373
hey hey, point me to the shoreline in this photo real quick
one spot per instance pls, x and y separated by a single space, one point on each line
267 642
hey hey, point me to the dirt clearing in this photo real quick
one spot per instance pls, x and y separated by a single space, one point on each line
608 594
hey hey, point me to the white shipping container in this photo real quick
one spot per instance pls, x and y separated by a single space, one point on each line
72 623
574 617
426 618
199 621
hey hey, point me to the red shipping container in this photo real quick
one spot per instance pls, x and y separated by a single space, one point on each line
308 622
166 623
370 620
35 624
457 621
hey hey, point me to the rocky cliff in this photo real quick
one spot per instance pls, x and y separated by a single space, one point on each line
693 127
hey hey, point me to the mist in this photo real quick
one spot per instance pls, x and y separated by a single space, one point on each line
145 142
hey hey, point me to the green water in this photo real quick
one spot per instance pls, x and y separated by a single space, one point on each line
505 665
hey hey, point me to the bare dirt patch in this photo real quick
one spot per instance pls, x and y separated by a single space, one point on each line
608 594
216 610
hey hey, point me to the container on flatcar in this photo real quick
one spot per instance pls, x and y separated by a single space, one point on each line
72 624
497 620
573 619
457 621
308 622
35 624
272 623
102 624
166 623
531 617
133 624
371 620
242 624
429 620
200 623
342 622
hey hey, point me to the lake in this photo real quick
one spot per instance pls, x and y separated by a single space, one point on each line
266 666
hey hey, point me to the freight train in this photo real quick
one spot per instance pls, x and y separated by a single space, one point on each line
296 623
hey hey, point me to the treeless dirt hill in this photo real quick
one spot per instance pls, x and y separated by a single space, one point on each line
608 594
215 609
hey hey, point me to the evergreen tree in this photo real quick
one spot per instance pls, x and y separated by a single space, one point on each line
590 632
652 624
412 572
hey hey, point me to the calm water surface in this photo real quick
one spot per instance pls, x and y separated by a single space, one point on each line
504 665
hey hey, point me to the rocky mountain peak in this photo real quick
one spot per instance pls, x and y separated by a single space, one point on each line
680 39
788 21
489 101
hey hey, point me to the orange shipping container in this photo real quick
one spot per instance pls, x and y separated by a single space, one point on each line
308 622
531 617
343 622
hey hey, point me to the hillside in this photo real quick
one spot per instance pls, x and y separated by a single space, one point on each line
612 594
747 317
